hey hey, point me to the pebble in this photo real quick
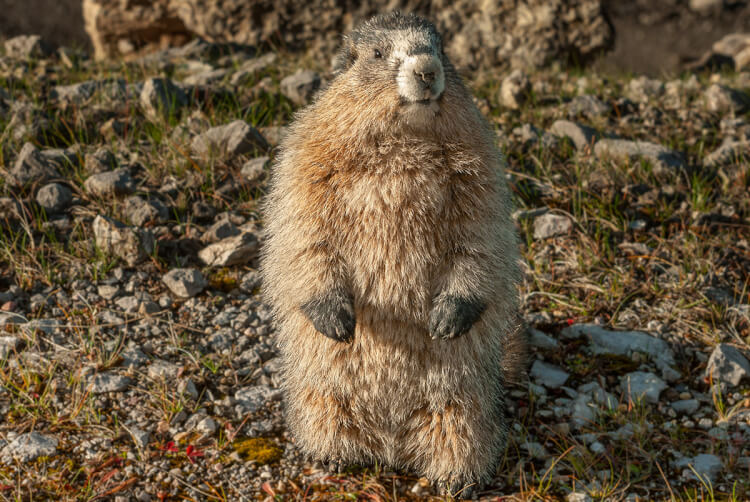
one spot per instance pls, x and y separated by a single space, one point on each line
108 382
185 282
550 224
582 136
117 182
236 250
27 447
54 197
229 141
622 148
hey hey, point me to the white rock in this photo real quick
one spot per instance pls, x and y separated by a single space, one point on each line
117 182
581 135
550 225
8 345
235 250
514 90
727 364
27 447
133 245
229 141
162 369
185 282
161 97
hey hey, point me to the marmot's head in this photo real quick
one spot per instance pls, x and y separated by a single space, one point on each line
397 61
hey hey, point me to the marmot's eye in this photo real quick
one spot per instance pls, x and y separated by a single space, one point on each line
377 54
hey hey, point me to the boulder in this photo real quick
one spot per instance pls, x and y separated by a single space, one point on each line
477 33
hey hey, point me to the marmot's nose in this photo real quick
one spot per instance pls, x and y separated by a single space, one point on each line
427 77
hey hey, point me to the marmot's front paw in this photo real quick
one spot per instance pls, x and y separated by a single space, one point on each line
452 316
332 314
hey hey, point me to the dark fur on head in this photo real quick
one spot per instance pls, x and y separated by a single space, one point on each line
373 33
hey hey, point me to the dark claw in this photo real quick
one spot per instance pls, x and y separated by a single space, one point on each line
332 315
453 316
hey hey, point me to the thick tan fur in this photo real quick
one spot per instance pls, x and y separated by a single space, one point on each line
395 213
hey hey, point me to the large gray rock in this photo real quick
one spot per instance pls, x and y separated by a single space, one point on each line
32 166
728 365
229 141
477 33
185 282
27 447
133 245
622 148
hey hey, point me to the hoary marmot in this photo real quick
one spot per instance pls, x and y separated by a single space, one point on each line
391 264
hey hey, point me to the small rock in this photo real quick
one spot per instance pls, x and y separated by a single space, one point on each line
578 497
26 47
721 99
8 345
641 384
514 90
251 399
100 161
54 197
250 68
235 250
140 211
588 106
206 426
728 365
185 282
117 182
220 230
161 97
707 466
686 406
108 382
27 447
229 141
703 5
131 244
74 94
728 153
301 86
253 169
31 165
621 148
160 369
549 375
140 437
550 224
581 135
641 89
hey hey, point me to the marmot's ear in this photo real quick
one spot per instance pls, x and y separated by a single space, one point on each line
346 56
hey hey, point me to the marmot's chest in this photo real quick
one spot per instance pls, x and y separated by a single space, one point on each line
395 236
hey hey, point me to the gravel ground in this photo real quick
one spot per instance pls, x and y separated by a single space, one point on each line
137 359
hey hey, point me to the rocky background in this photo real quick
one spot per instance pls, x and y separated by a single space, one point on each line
136 356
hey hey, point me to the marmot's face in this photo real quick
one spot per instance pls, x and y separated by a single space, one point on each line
398 61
